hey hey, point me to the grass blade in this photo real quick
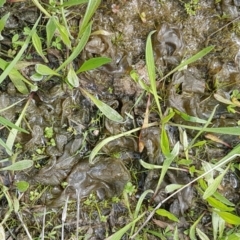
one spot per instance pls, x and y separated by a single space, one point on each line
93 63
38 46
151 70
50 30
18 166
8 123
109 112
45 70
91 8
71 3
192 59
20 53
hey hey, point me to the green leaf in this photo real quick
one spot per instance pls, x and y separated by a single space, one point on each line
45 70
98 147
71 3
165 213
20 53
8 123
172 187
91 9
78 48
38 46
234 236
229 218
2 2
214 185
72 77
118 235
3 144
202 235
164 142
151 70
22 186
192 232
36 77
219 205
50 30
3 21
17 80
192 59
63 33
93 63
18 166
190 118
109 112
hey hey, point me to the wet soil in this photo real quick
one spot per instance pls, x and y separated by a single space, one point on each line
62 170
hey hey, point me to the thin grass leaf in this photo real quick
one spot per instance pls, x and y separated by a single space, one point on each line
2 2
229 218
50 30
42 9
78 48
72 77
38 46
3 144
202 235
20 53
165 213
63 33
190 118
118 235
152 166
18 166
16 79
192 233
172 187
71 3
164 142
3 21
175 236
166 164
91 9
151 70
45 70
13 133
8 123
215 221
98 147
214 185
109 112
93 63
139 206
192 59
219 205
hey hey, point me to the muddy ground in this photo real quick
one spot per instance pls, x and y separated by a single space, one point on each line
78 125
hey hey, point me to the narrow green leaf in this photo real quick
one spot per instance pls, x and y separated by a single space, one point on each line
222 199
222 99
192 233
3 144
93 63
165 213
72 77
50 30
118 235
202 235
166 164
219 205
190 118
8 123
17 80
63 33
2 231
229 218
45 70
164 142
38 46
214 185
175 237
109 112
91 9
18 166
98 147
2 2
172 187
20 53
215 222
3 21
151 70
167 118
71 3
36 2
192 59
234 236
78 49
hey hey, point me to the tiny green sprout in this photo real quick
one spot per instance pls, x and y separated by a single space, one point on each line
40 151
51 142
18 146
64 184
103 218
129 188
116 155
72 130
33 195
48 132
57 43
115 199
